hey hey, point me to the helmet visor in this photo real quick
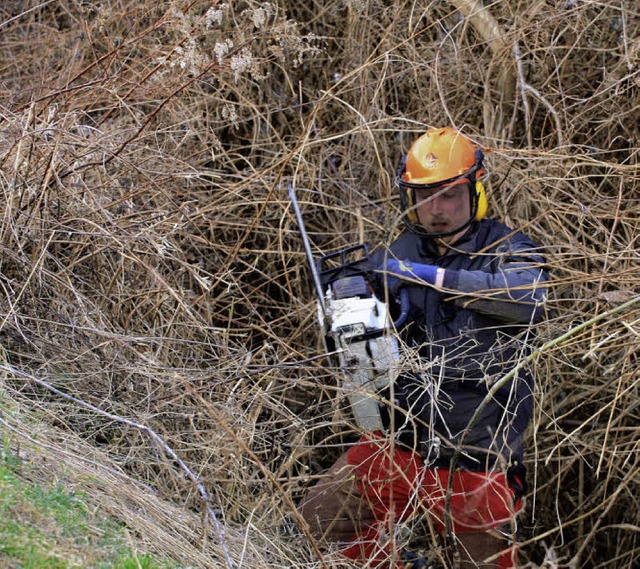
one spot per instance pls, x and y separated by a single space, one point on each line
441 209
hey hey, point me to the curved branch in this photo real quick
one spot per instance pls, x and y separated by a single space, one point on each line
489 31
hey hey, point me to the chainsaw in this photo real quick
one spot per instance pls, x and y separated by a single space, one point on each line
356 326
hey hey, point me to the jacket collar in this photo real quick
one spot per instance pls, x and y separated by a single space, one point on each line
466 244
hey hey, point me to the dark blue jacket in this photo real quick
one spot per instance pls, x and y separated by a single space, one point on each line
467 336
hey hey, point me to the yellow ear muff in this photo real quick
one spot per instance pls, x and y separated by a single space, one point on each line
412 213
482 201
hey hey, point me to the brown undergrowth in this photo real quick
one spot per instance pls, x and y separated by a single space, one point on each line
151 267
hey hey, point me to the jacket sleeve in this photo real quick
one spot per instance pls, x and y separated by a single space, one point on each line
511 286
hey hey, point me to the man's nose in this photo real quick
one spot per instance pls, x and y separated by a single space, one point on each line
435 204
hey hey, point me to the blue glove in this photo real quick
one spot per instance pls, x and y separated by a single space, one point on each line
406 270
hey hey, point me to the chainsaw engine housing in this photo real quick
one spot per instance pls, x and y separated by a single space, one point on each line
358 328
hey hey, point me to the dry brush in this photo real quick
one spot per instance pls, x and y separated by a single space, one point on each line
151 267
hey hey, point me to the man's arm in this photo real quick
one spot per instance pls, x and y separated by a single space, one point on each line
510 286
514 291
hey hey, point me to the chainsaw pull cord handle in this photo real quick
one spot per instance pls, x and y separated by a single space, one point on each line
404 308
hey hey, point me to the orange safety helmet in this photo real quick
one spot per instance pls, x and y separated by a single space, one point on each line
441 156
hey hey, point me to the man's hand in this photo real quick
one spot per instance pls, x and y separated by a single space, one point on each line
403 273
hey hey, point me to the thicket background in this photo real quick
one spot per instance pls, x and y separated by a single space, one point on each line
151 266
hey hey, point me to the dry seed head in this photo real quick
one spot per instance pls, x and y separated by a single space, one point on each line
222 48
259 16
215 15
193 59
229 113
245 62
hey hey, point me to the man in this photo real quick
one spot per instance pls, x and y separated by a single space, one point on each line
457 413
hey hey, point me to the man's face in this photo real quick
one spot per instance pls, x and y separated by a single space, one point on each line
443 209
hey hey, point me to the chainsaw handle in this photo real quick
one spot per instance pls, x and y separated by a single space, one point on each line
404 308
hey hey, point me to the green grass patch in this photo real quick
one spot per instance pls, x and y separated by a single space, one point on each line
44 525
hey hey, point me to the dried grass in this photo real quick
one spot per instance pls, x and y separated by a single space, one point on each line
151 265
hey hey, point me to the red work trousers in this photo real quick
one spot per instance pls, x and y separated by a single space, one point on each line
375 486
